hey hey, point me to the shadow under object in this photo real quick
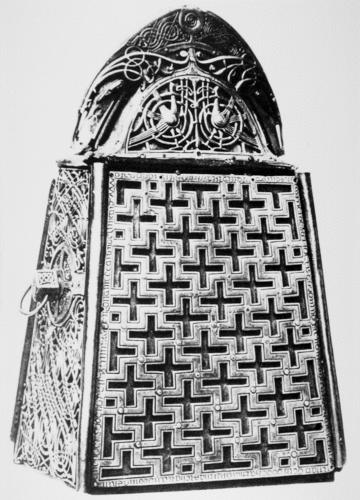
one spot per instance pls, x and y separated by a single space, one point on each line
178 334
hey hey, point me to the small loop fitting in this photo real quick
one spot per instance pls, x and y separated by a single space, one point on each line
37 308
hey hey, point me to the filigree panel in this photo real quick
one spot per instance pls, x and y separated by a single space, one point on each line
209 360
194 114
47 436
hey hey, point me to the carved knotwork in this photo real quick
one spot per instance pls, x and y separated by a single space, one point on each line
47 437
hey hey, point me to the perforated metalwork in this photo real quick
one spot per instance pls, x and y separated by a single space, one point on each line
208 365
193 113
47 437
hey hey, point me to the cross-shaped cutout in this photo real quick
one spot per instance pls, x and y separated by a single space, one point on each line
168 367
133 301
243 414
203 268
168 451
168 203
216 219
130 384
279 396
260 364
220 300
185 235
252 284
283 267
169 285
186 317
206 433
264 236
224 381
151 334
148 418
247 204
264 447
187 399
239 332
272 316
291 347
136 218
300 428
205 349
235 252
152 251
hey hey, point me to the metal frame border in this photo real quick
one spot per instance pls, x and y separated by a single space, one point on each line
327 355
99 216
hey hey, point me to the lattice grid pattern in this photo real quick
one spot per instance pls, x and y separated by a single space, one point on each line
208 355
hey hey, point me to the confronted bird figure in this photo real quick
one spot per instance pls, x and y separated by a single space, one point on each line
220 119
168 117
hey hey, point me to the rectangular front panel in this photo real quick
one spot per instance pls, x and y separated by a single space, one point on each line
208 362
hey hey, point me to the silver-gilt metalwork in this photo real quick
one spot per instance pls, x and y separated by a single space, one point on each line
47 436
178 332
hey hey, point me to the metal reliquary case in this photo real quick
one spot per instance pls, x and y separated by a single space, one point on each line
178 333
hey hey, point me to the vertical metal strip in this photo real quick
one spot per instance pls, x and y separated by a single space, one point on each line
93 308
324 327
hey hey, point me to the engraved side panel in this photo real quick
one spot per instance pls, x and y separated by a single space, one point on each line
47 436
208 364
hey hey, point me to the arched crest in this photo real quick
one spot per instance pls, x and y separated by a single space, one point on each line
187 82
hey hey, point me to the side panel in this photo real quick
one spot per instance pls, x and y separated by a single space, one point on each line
47 435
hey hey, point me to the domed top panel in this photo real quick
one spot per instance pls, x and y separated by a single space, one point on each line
169 57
